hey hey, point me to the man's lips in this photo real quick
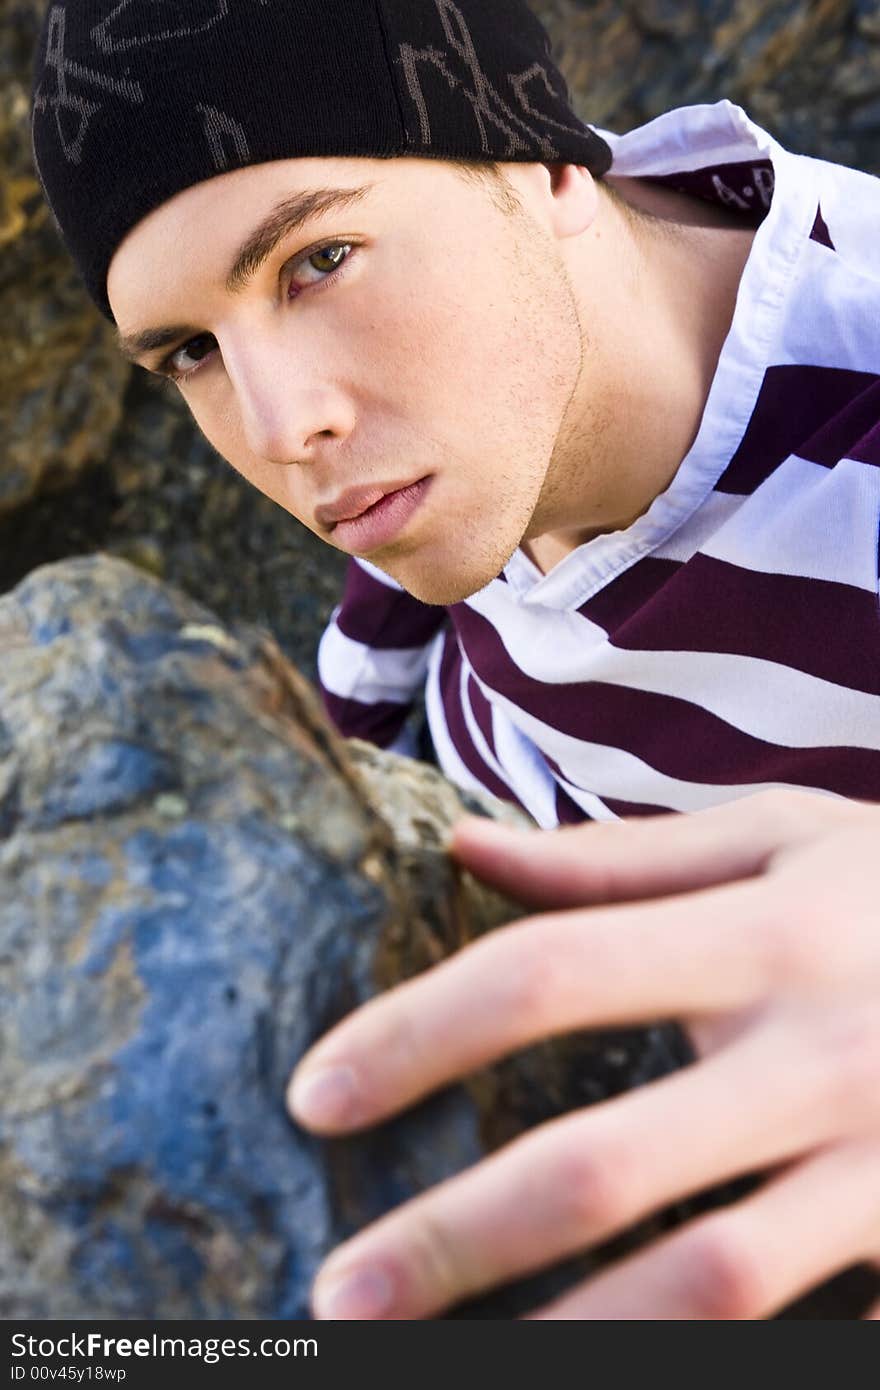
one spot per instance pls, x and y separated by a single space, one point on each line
354 502
366 519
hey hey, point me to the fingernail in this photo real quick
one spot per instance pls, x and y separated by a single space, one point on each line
325 1097
362 1293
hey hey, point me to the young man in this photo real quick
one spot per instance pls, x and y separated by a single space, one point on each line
605 448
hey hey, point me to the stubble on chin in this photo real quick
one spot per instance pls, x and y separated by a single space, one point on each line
472 556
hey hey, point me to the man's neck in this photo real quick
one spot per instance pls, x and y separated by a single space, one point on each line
651 349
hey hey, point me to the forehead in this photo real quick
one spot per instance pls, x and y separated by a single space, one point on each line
204 228
234 199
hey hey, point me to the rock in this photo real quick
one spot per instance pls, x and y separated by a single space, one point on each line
808 72
61 377
195 883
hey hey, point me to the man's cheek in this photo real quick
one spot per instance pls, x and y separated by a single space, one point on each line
228 440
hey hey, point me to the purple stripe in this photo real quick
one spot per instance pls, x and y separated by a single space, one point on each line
567 811
823 414
670 734
630 593
570 813
385 618
379 723
744 187
482 711
635 808
854 433
817 626
820 231
450 689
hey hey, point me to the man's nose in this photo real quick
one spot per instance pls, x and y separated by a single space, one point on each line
289 413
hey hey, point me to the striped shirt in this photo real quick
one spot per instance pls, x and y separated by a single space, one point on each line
729 640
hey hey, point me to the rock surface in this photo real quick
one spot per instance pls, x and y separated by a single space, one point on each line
61 378
806 70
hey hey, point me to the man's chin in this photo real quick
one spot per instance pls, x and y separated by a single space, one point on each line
438 588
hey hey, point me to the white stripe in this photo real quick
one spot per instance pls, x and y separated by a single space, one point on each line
762 698
526 770
352 670
832 321
809 521
716 512
591 805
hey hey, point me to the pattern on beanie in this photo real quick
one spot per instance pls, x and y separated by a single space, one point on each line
487 104
63 101
217 126
112 37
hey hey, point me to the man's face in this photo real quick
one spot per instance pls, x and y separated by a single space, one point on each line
413 342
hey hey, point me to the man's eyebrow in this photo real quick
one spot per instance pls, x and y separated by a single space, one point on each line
289 216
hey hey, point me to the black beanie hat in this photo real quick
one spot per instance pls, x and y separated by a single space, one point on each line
135 100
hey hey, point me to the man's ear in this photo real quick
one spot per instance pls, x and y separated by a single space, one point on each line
561 197
575 198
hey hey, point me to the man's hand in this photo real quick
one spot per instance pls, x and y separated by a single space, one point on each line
757 926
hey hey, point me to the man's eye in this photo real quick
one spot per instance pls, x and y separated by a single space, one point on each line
311 269
318 265
191 354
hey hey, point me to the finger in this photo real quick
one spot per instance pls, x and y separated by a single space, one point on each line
578 1180
751 1259
544 976
645 857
